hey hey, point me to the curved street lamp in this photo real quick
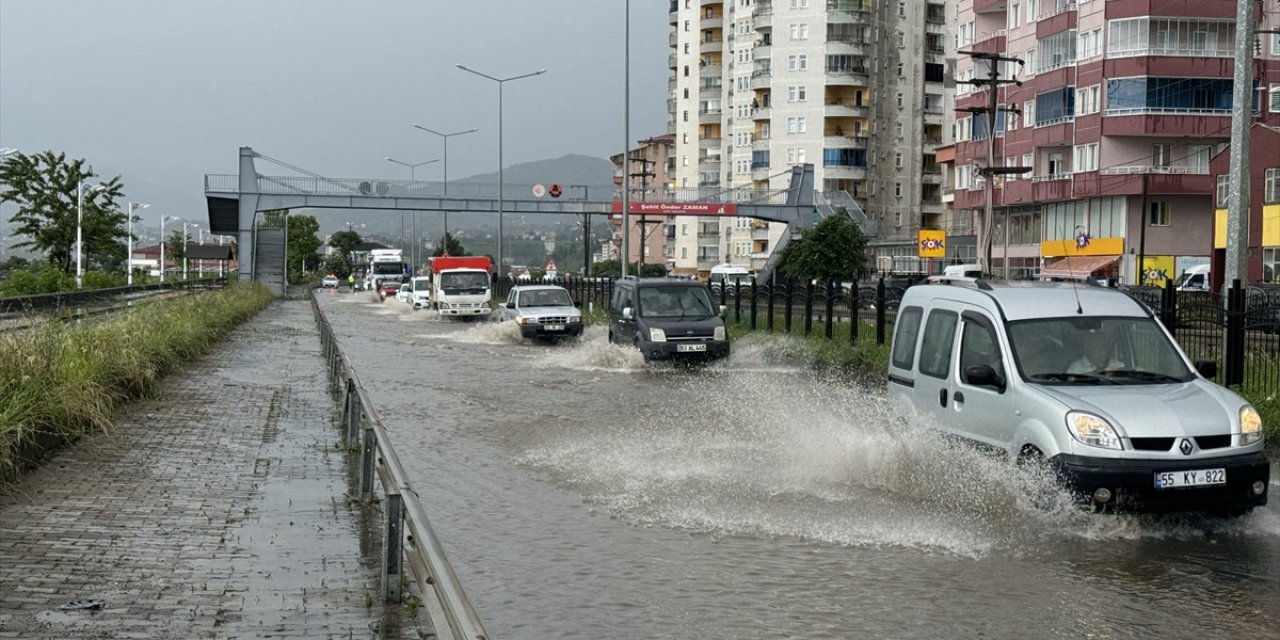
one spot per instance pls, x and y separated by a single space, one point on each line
445 137
163 220
500 81
128 261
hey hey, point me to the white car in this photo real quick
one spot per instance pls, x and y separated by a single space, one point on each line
405 294
330 282
421 296
542 311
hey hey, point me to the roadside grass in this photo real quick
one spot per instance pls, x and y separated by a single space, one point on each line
63 379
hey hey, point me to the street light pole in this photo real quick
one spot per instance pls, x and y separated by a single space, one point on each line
128 260
80 231
163 220
500 81
445 137
413 176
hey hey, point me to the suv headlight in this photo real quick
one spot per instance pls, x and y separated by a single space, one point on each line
1250 425
657 335
718 333
1092 430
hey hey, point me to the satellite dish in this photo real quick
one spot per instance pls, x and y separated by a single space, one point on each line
381 188
365 188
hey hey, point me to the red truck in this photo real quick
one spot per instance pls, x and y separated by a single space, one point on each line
461 286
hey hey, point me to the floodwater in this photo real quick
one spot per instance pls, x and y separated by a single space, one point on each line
582 494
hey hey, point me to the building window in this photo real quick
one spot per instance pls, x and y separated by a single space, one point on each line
1161 155
1028 161
1272 191
1223 191
1273 98
1055 106
800 31
1029 113
1057 50
1089 44
1085 157
1014 16
1056 168
897 159
796 93
797 62
1087 99
897 191
1159 214
795 124
1198 158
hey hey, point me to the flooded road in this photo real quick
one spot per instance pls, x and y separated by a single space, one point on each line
580 494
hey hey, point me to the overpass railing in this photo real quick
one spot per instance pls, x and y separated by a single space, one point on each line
407 531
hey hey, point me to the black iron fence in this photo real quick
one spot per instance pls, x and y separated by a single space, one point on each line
1239 330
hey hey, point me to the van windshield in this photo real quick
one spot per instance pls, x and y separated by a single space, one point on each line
1092 350
675 302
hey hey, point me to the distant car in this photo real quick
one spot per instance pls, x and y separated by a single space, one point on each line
330 281
405 294
388 288
542 311
421 296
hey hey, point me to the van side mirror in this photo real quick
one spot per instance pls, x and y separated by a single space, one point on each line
1207 368
626 313
723 310
982 375
511 305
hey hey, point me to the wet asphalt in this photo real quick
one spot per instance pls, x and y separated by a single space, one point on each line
215 509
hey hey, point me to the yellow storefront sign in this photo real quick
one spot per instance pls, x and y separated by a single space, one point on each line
1156 270
931 243
1094 247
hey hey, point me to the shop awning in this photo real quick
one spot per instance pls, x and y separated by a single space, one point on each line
1078 267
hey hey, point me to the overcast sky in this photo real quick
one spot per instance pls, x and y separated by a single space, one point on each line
162 92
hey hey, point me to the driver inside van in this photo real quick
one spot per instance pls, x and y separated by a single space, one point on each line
1098 355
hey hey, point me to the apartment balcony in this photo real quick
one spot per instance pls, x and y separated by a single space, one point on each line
711 46
759 172
847 76
707 160
844 142
931 177
762 16
710 71
710 116
708 234
1052 187
993 42
848 11
710 89
1055 132
710 3
848 45
761 71
761 52
843 172
673 13
671 62
760 233
1211 123
846 109
709 143
1128 180
989 6
760 113
705 263
760 144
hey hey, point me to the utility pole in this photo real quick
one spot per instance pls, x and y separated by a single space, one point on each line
1237 265
992 82
644 176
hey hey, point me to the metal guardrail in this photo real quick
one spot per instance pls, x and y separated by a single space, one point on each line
19 311
407 531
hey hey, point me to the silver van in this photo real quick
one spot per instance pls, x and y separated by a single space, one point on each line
1082 379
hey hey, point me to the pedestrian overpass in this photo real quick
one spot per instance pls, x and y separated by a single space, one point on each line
235 203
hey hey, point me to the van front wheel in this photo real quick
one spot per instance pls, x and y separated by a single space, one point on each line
1039 481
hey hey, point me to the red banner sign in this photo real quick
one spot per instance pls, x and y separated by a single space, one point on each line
680 208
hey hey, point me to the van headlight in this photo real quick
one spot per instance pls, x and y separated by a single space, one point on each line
1250 425
717 333
1092 430
657 335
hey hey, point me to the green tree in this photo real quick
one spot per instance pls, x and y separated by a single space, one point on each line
834 249
345 242
175 248
453 246
339 265
45 188
304 240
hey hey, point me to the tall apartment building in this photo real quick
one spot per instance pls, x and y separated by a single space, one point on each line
858 88
1123 104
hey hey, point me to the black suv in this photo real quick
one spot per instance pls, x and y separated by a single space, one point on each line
667 319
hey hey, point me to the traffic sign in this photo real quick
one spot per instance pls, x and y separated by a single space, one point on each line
539 191
555 191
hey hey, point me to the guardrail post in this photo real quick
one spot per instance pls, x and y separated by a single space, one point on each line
353 418
754 307
808 308
853 313
368 459
393 559
880 305
831 307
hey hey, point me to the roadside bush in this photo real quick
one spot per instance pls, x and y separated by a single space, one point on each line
39 278
67 379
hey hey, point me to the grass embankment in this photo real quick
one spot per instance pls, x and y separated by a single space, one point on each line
865 358
66 379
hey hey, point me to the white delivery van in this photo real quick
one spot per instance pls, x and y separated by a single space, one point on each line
1193 279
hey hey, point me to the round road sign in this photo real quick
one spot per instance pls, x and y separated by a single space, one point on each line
539 191
555 191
